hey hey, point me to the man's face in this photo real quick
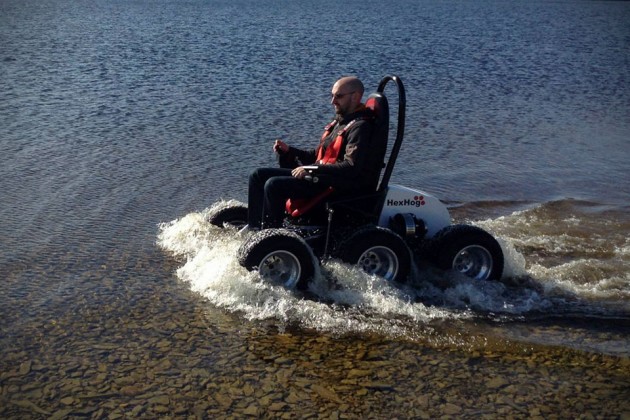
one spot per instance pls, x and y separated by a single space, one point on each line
342 98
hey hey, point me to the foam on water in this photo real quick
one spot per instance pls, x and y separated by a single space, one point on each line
572 253
341 298
344 299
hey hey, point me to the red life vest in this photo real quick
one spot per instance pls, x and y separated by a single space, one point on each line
332 151
298 206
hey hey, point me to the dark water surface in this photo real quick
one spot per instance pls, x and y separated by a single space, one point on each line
121 122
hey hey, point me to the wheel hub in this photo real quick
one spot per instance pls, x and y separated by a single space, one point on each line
380 261
281 268
474 261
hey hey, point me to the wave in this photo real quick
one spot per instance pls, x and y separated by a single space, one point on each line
557 262
340 299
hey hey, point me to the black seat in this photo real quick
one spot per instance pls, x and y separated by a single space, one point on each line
379 105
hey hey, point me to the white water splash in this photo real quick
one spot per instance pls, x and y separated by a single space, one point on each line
573 254
344 299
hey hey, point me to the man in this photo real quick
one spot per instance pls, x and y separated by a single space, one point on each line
348 158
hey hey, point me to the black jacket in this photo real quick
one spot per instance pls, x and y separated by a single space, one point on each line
360 159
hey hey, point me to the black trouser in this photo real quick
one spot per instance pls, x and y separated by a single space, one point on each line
269 189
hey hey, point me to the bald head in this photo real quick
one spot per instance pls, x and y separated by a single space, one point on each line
351 83
346 95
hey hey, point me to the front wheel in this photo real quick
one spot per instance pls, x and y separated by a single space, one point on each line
229 213
377 251
281 257
469 250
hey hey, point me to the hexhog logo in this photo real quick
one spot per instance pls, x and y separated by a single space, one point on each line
417 201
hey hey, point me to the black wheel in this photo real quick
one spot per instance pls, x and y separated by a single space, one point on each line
228 213
378 251
469 250
280 257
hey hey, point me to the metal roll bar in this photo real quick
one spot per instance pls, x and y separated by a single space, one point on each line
402 103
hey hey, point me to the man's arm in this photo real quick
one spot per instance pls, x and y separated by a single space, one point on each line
292 157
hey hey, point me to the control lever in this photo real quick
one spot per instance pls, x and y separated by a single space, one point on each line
310 177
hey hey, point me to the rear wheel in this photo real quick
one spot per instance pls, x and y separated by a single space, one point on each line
469 250
280 256
231 213
377 251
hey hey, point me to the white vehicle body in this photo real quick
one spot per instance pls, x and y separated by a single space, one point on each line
422 205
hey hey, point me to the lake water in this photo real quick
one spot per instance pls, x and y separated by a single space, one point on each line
122 122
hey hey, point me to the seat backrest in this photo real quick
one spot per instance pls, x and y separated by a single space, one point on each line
377 102
379 105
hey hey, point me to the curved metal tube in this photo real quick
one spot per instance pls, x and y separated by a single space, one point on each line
402 103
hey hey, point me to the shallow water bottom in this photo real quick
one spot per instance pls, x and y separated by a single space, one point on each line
171 354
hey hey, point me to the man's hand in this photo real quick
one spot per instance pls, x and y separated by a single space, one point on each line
280 147
299 172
